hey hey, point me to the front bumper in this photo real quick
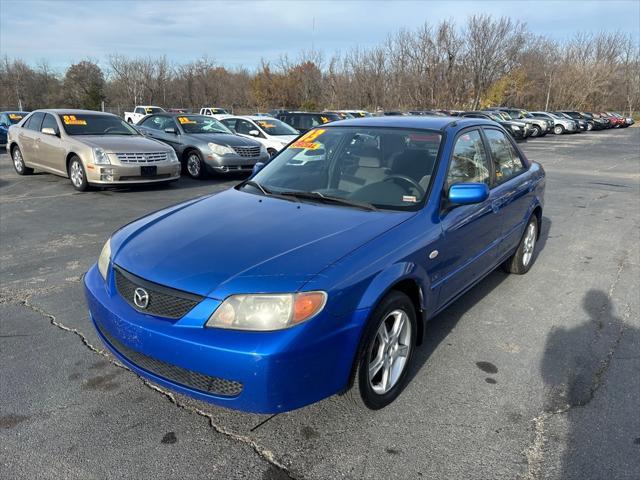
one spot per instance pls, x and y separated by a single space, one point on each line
129 174
263 372
232 162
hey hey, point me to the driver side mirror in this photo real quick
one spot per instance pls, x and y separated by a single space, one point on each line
254 133
468 193
171 130
49 131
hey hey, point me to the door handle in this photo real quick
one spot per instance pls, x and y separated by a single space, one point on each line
495 205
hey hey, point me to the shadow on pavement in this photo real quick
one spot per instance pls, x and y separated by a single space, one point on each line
598 357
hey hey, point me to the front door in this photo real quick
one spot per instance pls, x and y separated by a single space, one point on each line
471 233
50 150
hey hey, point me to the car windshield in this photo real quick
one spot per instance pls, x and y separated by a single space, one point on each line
15 117
201 124
276 127
95 124
150 110
375 167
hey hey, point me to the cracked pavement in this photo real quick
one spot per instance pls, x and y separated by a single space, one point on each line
529 377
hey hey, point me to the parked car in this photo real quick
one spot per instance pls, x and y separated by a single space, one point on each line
525 126
620 120
603 118
140 111
305 121
341 114
592 123
90 148
307 281
516 129
357 113
539 126
581 123
274 134
211 111
560 124
203 144
6 120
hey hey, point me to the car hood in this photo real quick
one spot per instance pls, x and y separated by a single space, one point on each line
228 139
122 143
237 242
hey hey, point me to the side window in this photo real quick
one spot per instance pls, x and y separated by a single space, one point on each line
469 161
155 123
244 127
139 110
34 121
230 123
506 161
50 122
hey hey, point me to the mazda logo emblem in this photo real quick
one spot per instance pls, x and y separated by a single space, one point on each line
141 298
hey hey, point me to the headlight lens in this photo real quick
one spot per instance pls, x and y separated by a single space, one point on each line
219 149
264 312
100 157
172 156
515 127
104 259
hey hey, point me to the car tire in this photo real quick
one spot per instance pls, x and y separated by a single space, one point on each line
129 121
395 310
589 127
558 129
520 262
536 131
194 165
272 152
18 162
78 175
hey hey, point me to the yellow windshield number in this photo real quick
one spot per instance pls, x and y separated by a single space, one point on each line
185 120
307 140
72 120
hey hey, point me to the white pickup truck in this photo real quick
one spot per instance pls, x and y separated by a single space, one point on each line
211 111
140 111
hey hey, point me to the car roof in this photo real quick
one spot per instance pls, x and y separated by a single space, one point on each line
410 121
73 111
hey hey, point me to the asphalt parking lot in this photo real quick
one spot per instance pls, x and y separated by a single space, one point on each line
530 377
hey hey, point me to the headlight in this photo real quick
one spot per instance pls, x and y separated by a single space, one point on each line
104 259
515 127
219 149
172 156
100 157
263 312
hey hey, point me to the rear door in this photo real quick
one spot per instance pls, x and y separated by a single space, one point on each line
471 232
27 138
513 190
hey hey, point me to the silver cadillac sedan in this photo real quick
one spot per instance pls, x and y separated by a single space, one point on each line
90 148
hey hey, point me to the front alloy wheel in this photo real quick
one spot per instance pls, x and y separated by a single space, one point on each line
195 169
385 353
77 175
558 129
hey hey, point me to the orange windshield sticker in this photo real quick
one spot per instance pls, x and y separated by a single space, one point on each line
15 116
307 140
72 120
184 120
266 124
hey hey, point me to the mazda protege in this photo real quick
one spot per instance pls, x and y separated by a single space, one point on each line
316 276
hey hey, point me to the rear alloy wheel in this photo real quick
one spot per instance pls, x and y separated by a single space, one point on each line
385 353
521 261
558 129
18 163
195 166
77 175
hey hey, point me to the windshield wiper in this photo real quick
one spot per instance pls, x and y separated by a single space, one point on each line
328 198
255 184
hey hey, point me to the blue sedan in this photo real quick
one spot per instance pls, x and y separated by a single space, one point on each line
316 276
6 120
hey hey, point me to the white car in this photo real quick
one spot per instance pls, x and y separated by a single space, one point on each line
213 111
271 132
140 112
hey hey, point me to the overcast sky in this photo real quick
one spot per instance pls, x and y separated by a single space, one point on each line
241 33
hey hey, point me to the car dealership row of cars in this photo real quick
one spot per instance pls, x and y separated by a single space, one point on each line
154 145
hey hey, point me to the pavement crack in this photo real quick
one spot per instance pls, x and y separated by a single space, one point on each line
264 453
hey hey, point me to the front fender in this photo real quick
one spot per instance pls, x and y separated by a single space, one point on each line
384 282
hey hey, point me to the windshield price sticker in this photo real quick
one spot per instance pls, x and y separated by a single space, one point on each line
324 119
266 124
307 140
149 110
15 116
185 120
72 120
409 198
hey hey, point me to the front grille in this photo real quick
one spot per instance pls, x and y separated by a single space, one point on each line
163 301
151 157
247 151
175 374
